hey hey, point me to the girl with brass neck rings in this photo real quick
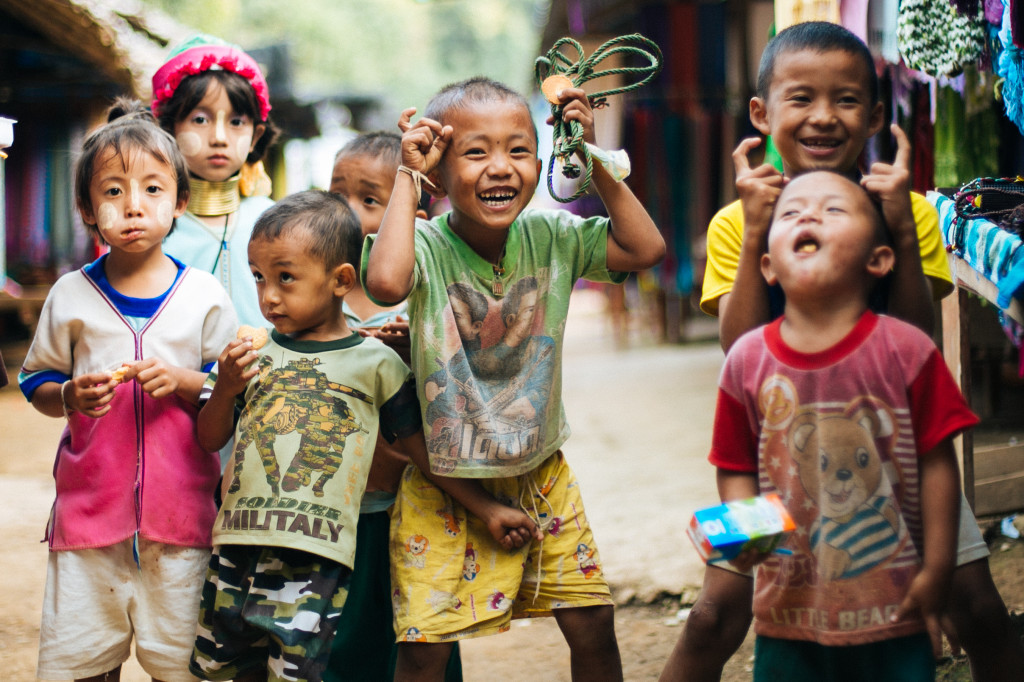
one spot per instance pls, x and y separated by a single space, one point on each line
212 97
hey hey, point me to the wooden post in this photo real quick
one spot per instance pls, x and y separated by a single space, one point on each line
956 349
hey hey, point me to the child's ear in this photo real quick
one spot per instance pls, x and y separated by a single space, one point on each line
876 119
767 271
438 191
88 217
759 115
345 279
421 214
257 133
881 261
181 207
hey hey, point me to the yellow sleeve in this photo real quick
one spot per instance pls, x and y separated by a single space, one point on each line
934 261
725 236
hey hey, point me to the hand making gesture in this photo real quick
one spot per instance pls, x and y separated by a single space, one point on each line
423 142
890 185
759 188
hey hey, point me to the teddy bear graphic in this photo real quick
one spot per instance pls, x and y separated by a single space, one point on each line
838 463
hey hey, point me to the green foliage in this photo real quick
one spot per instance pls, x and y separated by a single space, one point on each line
400 50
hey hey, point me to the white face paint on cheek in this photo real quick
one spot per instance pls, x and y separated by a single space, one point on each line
243 147
189 143
165 214
106 216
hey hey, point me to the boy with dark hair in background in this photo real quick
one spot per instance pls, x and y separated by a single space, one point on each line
817 96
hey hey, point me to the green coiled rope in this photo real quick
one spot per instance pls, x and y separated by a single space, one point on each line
568 136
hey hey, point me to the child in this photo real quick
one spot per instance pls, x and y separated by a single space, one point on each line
817 96
849 417
364 646
496 489
310 409
129 533
212 97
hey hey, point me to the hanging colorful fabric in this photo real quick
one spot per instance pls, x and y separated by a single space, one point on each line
1010 67
935 39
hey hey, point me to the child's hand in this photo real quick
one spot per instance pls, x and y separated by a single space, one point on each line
749 558
576 107
233 366
395 336
89 394
927 596
156 377
890 185
759 188
423 142
510 527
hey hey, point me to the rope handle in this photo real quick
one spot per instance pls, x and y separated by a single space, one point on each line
556 66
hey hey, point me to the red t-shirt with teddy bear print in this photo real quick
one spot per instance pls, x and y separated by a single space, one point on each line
837 434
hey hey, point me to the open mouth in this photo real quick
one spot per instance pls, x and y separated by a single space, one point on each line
498 197
806 245
820 143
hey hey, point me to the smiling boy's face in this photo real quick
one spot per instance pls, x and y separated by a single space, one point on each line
819 110
490 169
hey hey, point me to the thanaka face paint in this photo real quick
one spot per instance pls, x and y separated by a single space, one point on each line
224 137
189 143
135 198
106 216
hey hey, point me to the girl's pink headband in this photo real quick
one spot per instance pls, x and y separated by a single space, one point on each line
205 58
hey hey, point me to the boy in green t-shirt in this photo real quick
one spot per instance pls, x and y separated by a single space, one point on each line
817 96
495 488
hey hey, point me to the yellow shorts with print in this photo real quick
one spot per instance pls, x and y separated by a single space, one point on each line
450 580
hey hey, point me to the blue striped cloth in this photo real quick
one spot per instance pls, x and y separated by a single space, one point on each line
994 252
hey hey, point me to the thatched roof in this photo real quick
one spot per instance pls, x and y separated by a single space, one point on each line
123 39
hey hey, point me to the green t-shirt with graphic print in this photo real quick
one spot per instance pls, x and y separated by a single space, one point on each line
487 340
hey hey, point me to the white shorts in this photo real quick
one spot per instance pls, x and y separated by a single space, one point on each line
970 545
96 600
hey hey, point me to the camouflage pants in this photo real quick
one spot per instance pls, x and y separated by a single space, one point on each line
268 608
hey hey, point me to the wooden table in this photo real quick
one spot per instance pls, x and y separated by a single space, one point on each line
993 476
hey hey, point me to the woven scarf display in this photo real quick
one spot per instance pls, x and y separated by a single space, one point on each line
1010 66
935 39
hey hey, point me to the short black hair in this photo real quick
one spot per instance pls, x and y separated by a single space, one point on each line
241 94
380 144
130 128
332 227
816 36
478 89
384 145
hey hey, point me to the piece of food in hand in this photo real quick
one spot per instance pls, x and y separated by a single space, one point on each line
554 84
257 334
119 373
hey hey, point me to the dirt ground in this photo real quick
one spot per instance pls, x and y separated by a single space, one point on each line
533 648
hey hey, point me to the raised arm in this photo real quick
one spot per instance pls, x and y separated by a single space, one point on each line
910 296
634 242
746 305
390 265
